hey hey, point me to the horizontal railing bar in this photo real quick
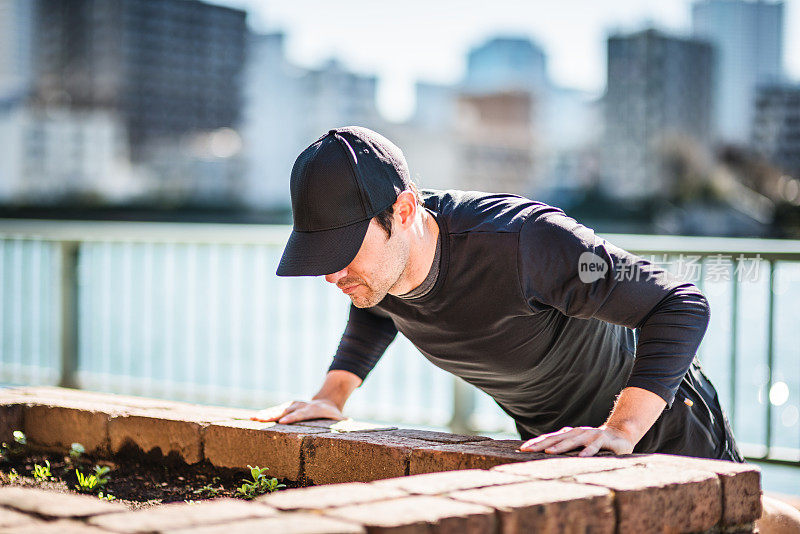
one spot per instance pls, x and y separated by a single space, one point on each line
273 234
148 232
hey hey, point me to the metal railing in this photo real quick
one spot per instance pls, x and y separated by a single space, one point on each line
195 312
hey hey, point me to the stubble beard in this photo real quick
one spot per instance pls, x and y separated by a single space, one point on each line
392 266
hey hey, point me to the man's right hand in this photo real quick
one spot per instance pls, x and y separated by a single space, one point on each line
292 412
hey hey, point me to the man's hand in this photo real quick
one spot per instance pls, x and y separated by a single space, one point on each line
592 439
291 412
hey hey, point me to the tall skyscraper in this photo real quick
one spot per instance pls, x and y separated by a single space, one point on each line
748 37
776 128
169 68
506 64
658 87
16 32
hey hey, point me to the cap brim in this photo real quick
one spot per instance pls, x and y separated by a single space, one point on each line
322 252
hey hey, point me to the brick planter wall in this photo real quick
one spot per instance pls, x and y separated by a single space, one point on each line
365 479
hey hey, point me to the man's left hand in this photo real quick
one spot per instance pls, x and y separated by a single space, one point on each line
591 438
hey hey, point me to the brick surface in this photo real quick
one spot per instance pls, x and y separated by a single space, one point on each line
549 507
155 429
555 468
437 437
478 455
653 499
57 505
329 495
295 523
420 514
345 425
62 526
447 481
10 518
10 419
53 394
237 444
741 484
356 457
181 516
55 427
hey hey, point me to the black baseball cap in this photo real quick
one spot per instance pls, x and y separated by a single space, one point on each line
340 182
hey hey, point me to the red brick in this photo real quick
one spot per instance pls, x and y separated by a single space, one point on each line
181 515
164 430
356 457
437 437
11 419
654 499
237 444
548 507
345 425
55 426
290 522
447 481
555 468
50 504
741 484
329 495
419 514
478 455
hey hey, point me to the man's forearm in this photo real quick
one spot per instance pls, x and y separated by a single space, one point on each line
337 387
634 412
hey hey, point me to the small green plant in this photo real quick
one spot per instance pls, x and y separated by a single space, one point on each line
42 472
106 497
13 476
92 483
75 452
209 490
15 449
259 484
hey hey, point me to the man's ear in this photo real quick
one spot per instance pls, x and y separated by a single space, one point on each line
405 209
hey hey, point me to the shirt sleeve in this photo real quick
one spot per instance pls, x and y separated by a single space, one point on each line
365 339
564 265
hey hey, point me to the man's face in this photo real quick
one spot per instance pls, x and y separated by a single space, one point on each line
376 268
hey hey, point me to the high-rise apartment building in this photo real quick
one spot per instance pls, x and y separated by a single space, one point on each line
748 37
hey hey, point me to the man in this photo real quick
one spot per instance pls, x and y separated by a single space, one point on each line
583 344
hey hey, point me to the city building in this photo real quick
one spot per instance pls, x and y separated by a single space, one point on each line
506 64
748 37
658 92
495 142
16 24
167 68
776 126
287 107
49 154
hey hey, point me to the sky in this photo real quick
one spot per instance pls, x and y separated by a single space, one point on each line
428 40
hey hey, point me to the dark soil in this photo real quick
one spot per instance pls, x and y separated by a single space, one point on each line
134 482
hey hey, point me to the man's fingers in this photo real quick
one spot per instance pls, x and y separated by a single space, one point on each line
545 440
273 413
591 449
568 444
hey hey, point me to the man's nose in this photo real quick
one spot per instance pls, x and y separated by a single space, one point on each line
335 277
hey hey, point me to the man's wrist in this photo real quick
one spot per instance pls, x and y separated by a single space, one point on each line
635 411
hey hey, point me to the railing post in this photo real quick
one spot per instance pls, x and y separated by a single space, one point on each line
770 356
463 406
69 313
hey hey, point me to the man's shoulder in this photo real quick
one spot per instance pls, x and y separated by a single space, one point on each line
478 211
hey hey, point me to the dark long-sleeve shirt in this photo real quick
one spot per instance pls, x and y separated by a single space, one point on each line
518 312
